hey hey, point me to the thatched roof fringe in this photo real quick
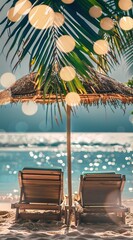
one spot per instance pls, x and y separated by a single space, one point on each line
85 98
105 90
5 97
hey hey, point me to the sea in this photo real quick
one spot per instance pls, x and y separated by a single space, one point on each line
90 152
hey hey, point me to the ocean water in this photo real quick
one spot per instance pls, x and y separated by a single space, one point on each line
91 152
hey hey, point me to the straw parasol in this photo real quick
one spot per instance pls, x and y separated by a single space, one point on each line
104 90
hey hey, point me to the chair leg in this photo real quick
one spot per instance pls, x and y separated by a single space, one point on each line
17 213
123 217
79 218
65 215
60 214
75 217
68 217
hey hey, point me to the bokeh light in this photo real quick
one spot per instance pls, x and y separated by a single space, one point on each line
7 79
23 7
72 99
101 47
41 17
126 23
65 43
107 23
58 19
95 11
68 1
67 73
125 5
12 15
29 108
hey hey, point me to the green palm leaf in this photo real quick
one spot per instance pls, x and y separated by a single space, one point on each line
47 59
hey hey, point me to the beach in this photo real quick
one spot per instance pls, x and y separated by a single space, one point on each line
39 230
90 152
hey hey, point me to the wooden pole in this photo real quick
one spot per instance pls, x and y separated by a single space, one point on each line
69 156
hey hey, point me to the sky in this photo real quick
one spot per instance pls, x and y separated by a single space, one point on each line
93 119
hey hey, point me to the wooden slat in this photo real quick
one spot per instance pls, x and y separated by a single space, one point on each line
41 188
95 179
102 179
106 209
102 175
42 193
101 182
42 200
42 171
100 198
29 198
54 194
43 177
35 206
41 182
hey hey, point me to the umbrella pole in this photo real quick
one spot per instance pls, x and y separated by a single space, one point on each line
69 156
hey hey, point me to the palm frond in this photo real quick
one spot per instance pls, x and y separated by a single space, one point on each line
47 59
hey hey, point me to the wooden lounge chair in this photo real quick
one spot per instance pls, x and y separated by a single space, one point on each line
40 189
101 193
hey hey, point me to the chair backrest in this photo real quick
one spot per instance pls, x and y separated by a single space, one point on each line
41 185
101 189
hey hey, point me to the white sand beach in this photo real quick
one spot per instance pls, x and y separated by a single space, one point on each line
26 229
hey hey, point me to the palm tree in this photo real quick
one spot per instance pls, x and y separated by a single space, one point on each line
82 29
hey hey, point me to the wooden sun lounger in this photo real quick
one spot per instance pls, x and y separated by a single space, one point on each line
40 189
101 193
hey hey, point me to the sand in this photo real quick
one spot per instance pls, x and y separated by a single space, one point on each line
39 230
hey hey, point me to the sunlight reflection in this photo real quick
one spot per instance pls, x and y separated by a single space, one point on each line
104 167
39 163
91 169
101 158
118 169
80 161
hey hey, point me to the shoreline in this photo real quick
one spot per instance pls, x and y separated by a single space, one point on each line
42 133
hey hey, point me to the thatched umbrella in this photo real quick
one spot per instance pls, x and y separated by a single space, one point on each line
103 90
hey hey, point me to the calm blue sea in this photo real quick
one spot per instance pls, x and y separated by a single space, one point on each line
91 152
